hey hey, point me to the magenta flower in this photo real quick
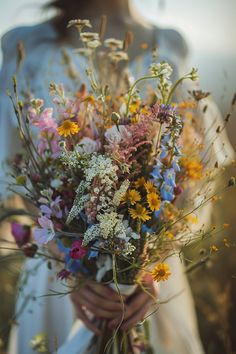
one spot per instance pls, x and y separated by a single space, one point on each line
21 233
63 274
77 251
46 233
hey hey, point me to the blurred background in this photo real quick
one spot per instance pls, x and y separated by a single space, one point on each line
210 31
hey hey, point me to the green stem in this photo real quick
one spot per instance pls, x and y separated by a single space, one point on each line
174 87
147 77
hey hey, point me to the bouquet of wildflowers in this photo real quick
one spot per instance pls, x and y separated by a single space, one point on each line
108 171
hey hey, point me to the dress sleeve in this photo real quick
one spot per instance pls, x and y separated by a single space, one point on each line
9 141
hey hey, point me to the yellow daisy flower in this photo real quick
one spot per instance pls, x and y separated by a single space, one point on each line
139 213
161 272
140 182
68 128
154 201
150 188
132 196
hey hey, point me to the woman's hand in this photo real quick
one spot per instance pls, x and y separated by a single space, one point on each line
137 306
100 300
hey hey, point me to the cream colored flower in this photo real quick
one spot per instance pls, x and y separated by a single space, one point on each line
113 43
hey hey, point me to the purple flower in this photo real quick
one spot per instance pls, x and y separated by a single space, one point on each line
46 233
21 233
53 210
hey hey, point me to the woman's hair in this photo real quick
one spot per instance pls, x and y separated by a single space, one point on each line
66 11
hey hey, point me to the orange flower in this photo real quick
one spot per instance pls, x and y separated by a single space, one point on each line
150 188
139 213
154 201
140 182
68 128
132 196
161 272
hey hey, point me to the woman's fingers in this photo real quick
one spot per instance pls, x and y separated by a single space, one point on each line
104 291
88 295
135 318
81 315
83 298
136 302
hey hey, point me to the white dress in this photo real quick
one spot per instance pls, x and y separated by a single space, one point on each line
173 327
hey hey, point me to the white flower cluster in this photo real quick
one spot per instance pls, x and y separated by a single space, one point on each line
163 69
128 249
112 225
120 193
91 233
70 158
109 222
79 202
101 167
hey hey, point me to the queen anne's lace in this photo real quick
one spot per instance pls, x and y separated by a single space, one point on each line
91 234
119 194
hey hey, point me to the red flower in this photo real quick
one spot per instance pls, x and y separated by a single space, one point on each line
21 233
77 250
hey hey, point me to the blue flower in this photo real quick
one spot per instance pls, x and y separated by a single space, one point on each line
74 265
167 192
177 150
61 247
147 229
169 177
175 164
156 173
92 254
164 152
165 139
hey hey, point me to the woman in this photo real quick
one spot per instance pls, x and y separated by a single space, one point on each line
173 327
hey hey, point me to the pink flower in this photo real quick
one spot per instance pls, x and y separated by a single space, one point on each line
21 233
43 120
77 251
49 140
46 233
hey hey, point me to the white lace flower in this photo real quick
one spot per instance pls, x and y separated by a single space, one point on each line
119 194
108 222
91 234
128 249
